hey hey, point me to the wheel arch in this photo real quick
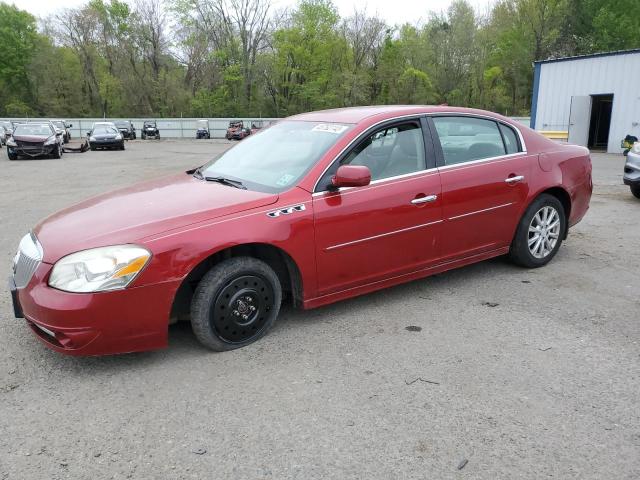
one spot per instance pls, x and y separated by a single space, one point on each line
279 260
563 197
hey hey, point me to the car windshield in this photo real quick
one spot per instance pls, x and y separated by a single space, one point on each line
59 124
149 124
122 124
203 123
6 124
277 157
32 129
104 131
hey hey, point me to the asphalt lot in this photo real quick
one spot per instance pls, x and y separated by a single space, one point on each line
523 373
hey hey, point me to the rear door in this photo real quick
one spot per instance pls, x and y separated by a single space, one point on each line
484 172
389 227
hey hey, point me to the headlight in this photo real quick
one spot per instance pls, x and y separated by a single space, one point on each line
92 138
50 140
99 269
11 142
634 149
118 137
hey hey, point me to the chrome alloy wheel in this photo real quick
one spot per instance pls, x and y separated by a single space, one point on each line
544 231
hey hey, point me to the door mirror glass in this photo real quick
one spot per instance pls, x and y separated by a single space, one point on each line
351 176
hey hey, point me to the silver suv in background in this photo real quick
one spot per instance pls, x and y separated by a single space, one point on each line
632 170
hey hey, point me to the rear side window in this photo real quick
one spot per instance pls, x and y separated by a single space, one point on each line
465 139
510 139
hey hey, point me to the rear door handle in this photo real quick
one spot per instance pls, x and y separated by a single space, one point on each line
427 199
515 179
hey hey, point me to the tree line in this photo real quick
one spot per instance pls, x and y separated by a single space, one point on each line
209 58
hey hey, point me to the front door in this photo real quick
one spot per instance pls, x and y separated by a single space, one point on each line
484 173
387 228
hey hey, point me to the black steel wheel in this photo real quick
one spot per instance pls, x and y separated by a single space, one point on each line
235 303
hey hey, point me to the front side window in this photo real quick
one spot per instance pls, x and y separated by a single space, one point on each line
275 159
391 151
465 139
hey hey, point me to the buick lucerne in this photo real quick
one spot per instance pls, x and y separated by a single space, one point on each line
316 208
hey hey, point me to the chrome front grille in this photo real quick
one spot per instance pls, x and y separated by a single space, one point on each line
27 260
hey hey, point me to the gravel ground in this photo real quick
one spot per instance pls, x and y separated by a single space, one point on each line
520 373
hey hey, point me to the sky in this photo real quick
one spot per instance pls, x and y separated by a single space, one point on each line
393 11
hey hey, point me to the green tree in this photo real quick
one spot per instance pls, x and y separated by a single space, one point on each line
18 37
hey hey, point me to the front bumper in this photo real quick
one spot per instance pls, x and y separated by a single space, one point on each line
632 170
106 143
121 321
38 151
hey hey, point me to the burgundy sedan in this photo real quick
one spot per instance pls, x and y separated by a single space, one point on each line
321 207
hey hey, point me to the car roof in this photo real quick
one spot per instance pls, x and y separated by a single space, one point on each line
359 114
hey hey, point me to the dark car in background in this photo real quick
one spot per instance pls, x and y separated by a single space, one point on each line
64 127
34 140
237 130
202 129
150 129
106 137
126 128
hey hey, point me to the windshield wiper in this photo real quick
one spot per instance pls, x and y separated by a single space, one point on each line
226 181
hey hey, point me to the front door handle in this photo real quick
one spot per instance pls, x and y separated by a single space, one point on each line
515 179
427 199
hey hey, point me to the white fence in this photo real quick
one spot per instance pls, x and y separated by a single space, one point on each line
169 127
177 127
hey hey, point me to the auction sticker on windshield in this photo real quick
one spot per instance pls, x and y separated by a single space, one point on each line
329 128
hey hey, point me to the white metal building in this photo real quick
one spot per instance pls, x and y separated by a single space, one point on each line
596 98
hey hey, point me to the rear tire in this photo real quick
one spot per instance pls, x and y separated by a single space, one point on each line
235 303
540 233
635 191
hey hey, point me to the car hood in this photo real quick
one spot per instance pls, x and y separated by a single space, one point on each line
132 213
31 138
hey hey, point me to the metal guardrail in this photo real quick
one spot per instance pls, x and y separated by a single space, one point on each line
169 127
174 127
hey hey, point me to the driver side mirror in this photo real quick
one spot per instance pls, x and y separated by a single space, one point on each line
351 176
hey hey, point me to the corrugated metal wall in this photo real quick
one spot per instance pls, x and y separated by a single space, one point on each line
618 74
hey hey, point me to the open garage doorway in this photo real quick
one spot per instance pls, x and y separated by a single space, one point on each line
601 106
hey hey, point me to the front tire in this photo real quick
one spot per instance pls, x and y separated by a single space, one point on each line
635 190
58 153
12 156
540 233
235 303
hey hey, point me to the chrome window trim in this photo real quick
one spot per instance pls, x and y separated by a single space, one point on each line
377 182
482 160
418 116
